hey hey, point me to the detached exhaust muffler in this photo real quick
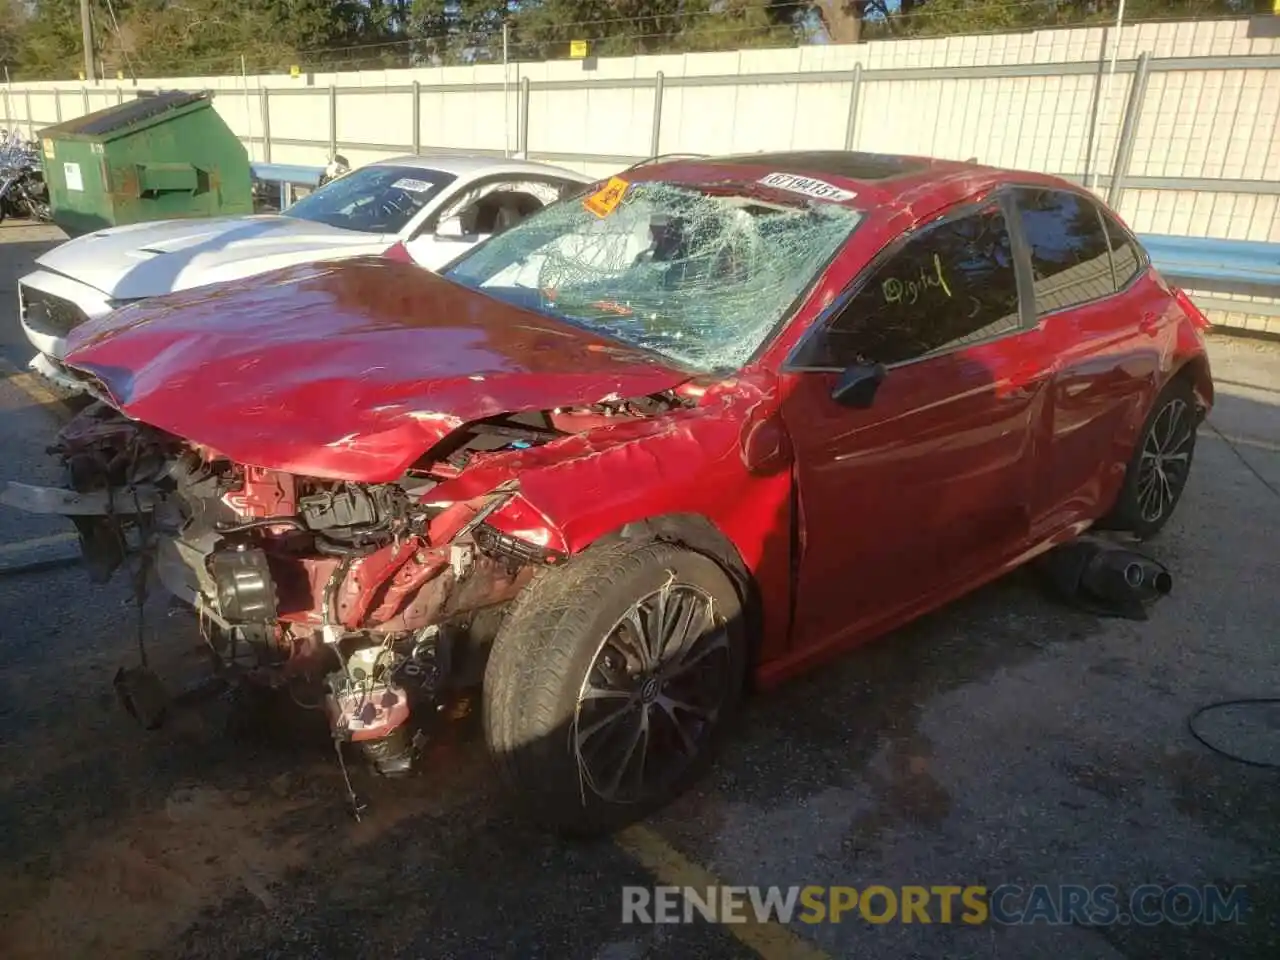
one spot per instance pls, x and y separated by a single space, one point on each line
1106 578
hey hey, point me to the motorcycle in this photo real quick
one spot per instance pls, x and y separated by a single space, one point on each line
23 191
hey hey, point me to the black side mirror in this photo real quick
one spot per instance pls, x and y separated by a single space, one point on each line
858 384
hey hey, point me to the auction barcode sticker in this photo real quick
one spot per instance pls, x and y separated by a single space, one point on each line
809 186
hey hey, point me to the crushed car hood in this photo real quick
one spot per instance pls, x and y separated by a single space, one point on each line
349 370
149 259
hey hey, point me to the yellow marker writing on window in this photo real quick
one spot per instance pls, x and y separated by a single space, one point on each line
912 289
606 199
942 279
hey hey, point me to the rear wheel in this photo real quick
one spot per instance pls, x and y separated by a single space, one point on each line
1157 474
610 686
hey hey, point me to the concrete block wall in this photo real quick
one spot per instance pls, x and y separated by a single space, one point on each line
1205 159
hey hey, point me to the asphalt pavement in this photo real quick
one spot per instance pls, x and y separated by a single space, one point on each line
1005 739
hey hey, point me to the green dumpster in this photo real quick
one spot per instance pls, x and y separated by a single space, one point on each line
159 157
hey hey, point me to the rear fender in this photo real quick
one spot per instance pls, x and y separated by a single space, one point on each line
1196 369
1190 358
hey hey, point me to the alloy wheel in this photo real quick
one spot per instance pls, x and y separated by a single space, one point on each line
1166 460
652 694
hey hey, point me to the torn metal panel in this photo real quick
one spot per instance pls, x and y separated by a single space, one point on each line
714 461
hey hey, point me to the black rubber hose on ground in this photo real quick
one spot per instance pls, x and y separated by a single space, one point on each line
1222 704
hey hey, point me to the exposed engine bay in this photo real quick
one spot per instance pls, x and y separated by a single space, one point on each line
372 601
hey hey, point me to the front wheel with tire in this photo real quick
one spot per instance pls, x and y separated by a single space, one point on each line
611 684
1161 463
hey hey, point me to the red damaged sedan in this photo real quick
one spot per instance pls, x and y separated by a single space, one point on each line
704 426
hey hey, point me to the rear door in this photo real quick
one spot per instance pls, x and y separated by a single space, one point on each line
1103 319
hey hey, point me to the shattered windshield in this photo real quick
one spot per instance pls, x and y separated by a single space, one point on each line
699 275
374 199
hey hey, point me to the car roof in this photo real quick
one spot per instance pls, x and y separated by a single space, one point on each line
468 165
874 179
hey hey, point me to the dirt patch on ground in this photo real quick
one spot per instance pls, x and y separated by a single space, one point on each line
134 890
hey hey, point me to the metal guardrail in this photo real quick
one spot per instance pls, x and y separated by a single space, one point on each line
1211 260
1229 268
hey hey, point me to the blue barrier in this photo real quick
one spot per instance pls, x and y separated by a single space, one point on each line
287 173
1230 266
284 177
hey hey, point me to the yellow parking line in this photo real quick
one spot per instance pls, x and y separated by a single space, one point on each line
1261 444
770 940
35 543
31 384
35 388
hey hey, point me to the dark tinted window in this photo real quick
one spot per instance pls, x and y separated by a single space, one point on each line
1126 258
953 284
1070 259
373 199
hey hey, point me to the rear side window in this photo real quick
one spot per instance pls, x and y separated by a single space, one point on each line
1126 258
951 285
1070 255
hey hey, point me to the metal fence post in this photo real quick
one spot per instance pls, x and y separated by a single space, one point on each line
654 137
119 94
1092 152
1128 130
855 92
522 143
57 103
333 120
84 91
417 117
31 130
265 101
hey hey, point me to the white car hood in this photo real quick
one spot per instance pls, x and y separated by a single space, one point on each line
149 259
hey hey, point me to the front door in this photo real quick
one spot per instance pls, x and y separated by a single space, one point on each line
930 484
478 211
